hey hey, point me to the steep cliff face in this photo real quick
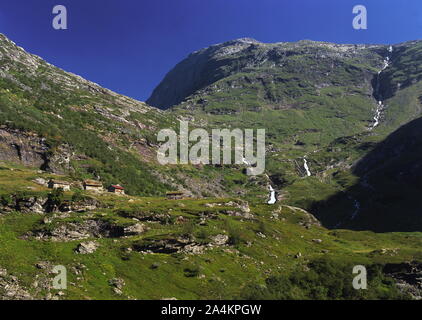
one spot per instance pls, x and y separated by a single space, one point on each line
18 147
30 149
199 70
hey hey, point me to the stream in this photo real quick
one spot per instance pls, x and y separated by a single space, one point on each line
305 165
273 198
377 94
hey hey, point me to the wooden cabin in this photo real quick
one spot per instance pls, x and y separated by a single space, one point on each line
58 184
93 185
176 195
116 189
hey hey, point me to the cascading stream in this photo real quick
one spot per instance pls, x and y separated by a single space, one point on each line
272 199
305 165
377 93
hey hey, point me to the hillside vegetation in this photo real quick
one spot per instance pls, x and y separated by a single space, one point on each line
347 190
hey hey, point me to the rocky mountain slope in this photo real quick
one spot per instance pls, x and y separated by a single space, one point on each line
324 106
59 122
325 159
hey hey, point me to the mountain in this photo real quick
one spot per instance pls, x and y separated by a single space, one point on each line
279 72
330 103
342 125
59 122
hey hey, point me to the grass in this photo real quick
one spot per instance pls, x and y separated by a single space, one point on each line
219 273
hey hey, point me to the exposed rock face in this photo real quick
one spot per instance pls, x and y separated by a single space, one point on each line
25 205
408 277
42 205
135 229
10 289
31 150
220 239
162 246
87 247
180 245
117 284
78 231
241 210
25 148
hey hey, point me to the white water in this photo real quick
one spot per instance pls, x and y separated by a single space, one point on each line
272 195
273 198
380 106
305 165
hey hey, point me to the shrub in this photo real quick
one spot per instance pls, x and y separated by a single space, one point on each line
191 272
326 279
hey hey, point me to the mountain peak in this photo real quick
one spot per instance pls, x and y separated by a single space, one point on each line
209 65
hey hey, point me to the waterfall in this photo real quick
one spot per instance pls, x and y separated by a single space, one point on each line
377 94
305 165
273 198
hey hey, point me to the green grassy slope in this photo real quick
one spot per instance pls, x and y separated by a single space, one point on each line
277 241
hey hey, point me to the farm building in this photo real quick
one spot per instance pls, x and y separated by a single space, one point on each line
116 189
93 185
176 195
57 184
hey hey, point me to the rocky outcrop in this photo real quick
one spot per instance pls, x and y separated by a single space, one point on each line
23 147
29 149
167 246
42 205
11 289
220 239
240 208
135 229
185 245
117 284
87 247
408 277
71 231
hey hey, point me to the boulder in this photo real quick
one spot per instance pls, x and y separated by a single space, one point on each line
87 247
220 239
135 229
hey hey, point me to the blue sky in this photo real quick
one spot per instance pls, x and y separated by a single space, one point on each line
129 45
